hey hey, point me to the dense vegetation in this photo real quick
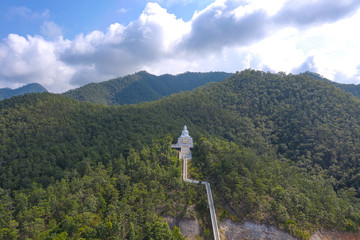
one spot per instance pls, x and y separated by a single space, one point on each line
354 89
141 87
262 189
281 149
30 88
124 199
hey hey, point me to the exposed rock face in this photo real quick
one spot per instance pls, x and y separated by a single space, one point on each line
189 228
332 235
251 231
230 230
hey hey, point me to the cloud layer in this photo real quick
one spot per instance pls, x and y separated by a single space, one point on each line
227 35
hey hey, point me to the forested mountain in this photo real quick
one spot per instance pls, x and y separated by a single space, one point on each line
141 87
354 89
279 149
30 88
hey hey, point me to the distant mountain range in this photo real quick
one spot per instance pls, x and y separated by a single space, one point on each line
354 89
278 149
142 86
30 88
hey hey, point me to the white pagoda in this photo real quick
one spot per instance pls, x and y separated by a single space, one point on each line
185 142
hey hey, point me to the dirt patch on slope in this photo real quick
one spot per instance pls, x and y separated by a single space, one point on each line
333 235
190 228
251 231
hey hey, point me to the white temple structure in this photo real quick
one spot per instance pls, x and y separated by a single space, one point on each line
185 142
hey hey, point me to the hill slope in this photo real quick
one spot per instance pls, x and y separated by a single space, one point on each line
350 88
141 87
30 88
279 149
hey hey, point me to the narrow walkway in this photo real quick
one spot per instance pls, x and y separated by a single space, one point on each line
210 199
185 142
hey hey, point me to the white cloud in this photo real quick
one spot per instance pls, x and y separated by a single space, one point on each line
122 10
225 24
315 12
125 49
172 29
50 30
228 35
335 48
27 13
170 3
33 59
279 51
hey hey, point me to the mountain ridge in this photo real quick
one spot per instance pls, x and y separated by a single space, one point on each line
142 86
29 88
354 89
280 149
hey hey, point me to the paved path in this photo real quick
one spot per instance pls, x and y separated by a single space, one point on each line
210 200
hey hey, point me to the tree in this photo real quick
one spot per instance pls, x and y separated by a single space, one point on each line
131 233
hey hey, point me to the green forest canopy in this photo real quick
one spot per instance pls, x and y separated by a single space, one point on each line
141 87
29 88
280 149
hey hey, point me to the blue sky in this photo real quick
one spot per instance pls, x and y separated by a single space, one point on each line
66 44
81 16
